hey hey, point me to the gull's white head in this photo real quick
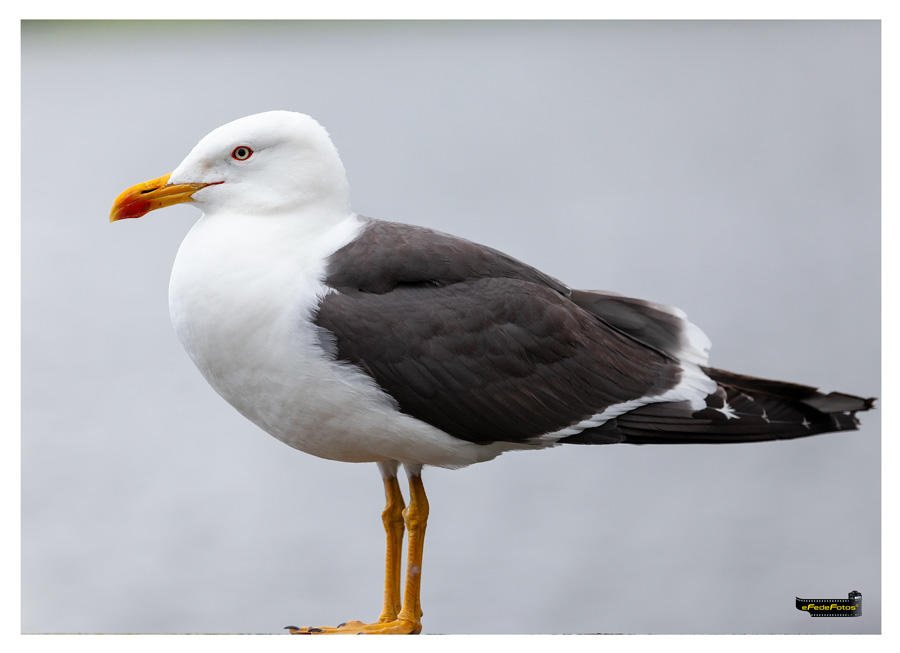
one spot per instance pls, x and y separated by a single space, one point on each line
273 162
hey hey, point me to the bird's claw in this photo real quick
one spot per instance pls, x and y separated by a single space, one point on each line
395 627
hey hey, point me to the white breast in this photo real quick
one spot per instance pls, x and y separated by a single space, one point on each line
242 292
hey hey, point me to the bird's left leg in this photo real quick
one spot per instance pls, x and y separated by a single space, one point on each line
393 519
409 620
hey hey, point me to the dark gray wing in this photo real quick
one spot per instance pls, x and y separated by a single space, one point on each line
391 254
662 327
476 343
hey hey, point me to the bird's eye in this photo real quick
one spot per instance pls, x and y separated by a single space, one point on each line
241 153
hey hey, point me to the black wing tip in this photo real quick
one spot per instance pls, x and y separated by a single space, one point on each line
840 402
759 413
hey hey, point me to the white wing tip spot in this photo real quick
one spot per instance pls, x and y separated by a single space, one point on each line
728 412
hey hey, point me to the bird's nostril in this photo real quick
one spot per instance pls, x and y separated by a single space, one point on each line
149 190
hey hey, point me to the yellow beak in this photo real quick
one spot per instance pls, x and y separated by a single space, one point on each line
157 193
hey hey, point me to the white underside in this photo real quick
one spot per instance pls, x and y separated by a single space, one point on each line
241 296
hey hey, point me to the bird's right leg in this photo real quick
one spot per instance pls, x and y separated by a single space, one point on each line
394 527
392 518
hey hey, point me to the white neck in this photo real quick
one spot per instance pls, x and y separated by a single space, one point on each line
239 279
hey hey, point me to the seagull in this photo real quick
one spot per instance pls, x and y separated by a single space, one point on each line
369 341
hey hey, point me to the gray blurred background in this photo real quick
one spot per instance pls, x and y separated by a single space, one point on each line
729 168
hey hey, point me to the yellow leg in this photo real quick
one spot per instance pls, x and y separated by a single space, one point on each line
415 517
392 517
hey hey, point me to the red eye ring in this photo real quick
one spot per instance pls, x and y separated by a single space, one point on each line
241 153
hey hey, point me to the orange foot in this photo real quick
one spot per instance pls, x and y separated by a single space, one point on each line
395 627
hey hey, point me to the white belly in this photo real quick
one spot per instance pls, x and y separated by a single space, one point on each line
241 295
